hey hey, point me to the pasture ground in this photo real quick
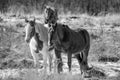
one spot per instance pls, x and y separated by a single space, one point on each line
16 62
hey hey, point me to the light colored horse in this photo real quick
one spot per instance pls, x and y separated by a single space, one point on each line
37 38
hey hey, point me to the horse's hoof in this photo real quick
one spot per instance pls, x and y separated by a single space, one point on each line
86 75
88 69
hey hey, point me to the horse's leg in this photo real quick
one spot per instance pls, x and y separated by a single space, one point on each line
34 51
50 61
85 63
79 58
59 61
69 61
35 57
45 55
85 60
55 64
53 61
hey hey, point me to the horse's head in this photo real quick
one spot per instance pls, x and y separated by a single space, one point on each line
50 15
29 29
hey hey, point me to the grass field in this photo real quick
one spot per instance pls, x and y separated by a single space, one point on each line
16 61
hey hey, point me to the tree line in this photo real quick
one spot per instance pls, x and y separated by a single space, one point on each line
92 7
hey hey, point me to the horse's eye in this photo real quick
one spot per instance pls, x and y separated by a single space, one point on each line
32 23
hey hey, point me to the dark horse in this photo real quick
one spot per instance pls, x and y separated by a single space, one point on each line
64 39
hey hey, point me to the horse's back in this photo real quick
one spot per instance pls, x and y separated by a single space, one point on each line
78 34
84 33
74 40
42 31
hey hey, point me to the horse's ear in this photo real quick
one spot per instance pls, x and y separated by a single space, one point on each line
26 20
45 6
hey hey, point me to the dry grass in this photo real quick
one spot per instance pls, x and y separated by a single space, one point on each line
105 41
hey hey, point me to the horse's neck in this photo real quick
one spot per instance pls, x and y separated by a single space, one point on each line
59 31
36 36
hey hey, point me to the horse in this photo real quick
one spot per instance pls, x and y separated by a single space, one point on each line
36 35
50 14
72 42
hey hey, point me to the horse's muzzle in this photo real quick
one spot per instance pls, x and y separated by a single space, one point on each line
27 40
46 21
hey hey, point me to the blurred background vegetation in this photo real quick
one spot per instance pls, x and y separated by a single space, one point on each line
92 7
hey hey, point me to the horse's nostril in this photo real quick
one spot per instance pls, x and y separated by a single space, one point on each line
46 21
27 40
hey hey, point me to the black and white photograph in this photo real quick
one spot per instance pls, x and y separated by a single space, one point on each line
59 39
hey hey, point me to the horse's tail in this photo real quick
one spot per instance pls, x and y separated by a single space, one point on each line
86 37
